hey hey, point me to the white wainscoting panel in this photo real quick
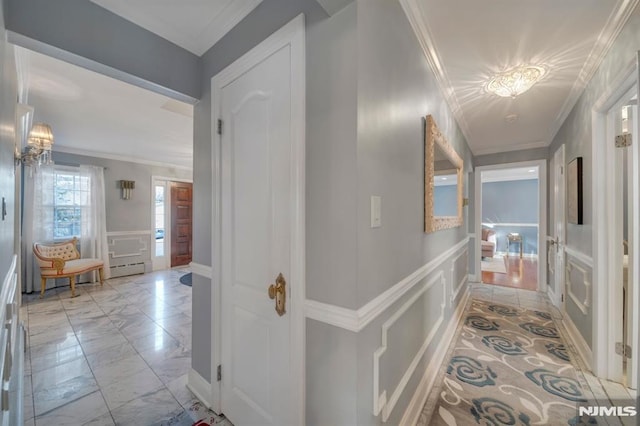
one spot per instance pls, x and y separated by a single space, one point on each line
582 301
412 413
356 320
578 255
578 341
380 401
128 244
457 285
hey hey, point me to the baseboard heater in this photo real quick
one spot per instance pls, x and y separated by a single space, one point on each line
127 269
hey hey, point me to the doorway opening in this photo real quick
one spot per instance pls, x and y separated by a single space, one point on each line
616 227
171 222
510 223
621 125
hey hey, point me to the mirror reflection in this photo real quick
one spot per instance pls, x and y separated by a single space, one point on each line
445 182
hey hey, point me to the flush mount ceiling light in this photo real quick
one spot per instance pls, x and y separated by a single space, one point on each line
516 81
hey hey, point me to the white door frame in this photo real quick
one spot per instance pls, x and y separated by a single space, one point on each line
604 248
293 35
559 199
542 214
166 262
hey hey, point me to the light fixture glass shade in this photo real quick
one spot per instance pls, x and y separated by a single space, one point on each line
41 136
38 149
516 81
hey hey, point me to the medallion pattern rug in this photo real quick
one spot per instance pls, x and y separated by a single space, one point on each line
509 366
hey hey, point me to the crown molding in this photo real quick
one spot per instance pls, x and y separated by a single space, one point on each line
500 149
413 11
607 37
118 157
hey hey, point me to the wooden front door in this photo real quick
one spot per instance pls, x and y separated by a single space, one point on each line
181 223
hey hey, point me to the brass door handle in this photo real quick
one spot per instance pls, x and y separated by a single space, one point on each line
278 292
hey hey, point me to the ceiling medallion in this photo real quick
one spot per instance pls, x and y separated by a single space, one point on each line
516 81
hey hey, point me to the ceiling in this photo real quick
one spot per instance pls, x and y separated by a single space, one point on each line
96 115
194 25
468 41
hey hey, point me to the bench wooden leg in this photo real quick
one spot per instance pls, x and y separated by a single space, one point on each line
72 281
101 273
43 286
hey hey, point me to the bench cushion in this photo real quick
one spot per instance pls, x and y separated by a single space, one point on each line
74 267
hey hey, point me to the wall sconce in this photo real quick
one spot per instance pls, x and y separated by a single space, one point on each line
127 186
38 149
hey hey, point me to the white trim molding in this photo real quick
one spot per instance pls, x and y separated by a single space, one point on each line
356 320
380 402
413 410
413 10
583 349
200 387
583 305
119 233
455 290
578 255
202 270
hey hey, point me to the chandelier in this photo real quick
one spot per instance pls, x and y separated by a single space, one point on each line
516 81
38 149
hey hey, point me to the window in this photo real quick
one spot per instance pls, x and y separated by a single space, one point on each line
71 197
159 219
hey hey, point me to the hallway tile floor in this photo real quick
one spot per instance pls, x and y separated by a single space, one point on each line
600 390
117 354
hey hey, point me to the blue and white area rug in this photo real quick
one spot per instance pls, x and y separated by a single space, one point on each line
509 366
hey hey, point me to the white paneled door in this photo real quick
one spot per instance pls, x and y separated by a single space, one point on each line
256 193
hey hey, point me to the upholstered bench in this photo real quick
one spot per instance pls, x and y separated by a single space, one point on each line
62 260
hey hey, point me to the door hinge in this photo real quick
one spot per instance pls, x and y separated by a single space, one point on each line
219 126
562 297
561 170
219 377
623 140
624 350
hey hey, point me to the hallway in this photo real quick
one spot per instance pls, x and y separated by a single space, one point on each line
550 403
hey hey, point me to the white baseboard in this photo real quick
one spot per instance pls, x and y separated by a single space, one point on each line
412 413
473 279
578 341
200 387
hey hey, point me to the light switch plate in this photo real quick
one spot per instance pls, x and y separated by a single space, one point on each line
376 211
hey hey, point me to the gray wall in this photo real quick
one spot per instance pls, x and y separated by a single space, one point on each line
512 202
85 29
361 62
125 215
575 134
8 96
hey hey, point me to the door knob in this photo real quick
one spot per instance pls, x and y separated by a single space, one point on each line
278 292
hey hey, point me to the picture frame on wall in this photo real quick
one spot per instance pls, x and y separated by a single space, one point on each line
574 191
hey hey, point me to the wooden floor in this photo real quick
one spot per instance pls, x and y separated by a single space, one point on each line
521 273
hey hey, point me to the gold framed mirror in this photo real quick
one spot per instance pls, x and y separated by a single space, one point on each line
442 181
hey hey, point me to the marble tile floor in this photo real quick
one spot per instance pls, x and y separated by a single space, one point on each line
115 355
601 390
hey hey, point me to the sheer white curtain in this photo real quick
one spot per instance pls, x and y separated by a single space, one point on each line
37 222
93 238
